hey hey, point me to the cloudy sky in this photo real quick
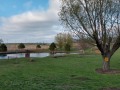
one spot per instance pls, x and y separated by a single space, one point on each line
29 20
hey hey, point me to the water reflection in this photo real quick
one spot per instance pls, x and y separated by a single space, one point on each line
3 56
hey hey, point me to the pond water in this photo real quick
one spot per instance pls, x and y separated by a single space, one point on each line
20 55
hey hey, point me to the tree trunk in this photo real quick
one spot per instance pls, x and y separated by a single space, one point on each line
106 64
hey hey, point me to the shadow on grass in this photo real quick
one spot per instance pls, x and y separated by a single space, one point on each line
110 88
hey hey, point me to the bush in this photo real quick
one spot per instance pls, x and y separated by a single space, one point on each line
21 46
38 46
3 48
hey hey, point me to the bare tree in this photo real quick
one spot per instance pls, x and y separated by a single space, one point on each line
62 39
98 19
59 40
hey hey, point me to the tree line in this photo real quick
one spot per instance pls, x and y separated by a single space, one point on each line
63 42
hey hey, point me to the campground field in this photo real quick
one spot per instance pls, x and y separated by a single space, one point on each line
71 72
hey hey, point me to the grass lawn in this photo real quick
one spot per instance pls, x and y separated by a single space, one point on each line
72 72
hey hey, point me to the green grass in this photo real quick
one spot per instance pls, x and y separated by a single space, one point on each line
73 72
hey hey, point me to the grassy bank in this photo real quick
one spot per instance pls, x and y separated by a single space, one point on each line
72 72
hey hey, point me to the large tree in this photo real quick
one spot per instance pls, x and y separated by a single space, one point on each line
98 19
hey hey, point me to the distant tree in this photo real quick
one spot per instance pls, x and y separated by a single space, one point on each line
21 46
38 46
67 47
68 39
59 40
52 47
3 48
62 39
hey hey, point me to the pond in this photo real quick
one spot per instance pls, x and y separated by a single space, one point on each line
20 55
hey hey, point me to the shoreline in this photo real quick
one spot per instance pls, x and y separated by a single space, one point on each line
29 51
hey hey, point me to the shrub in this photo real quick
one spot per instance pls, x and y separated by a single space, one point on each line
3 47
21 46
52 46
38 46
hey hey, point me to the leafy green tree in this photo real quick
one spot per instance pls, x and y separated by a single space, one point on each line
3 47
21 46
98 19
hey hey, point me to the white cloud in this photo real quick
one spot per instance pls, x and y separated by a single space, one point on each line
42 24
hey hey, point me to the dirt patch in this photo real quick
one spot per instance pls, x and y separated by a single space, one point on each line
110 88
111 71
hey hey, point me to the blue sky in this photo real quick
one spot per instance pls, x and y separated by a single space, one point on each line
29 20
11 7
